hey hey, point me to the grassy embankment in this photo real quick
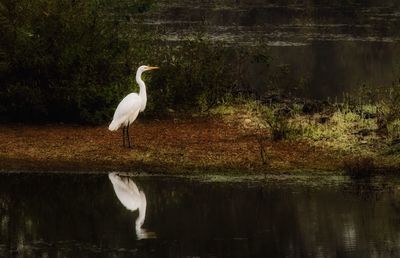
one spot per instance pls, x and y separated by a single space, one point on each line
245 137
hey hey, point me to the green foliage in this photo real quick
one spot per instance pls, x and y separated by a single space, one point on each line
340 129
60 61
73 61
380 102
393 130
389 113
198 74
192 74
278 119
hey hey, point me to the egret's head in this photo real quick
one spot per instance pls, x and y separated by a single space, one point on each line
147 68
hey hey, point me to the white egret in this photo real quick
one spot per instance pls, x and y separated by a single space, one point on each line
128 109
133 199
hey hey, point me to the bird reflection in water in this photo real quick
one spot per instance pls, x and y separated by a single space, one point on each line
133 199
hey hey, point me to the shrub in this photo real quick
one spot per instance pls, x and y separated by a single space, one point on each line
60 61
393 130
278 120
198 74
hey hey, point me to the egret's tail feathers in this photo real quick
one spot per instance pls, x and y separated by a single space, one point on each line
112 176
113 126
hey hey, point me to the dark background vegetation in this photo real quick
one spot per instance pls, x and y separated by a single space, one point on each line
73 61
60 61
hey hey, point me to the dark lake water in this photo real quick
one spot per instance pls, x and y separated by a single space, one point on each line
331 46
80 215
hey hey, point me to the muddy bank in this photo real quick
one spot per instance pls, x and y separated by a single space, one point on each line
168 146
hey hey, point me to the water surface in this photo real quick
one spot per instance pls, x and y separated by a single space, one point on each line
330 46
80 215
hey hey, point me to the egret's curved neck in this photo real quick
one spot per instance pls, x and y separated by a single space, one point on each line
142 91
142 211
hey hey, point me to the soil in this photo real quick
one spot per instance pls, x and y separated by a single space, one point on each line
195 145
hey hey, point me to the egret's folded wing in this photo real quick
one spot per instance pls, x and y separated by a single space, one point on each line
126 191
130 104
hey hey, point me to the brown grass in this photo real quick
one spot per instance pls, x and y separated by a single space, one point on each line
167 146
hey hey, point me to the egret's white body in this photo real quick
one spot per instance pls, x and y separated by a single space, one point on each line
127 111
132 198
129 108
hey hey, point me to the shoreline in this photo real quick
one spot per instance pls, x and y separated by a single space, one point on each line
191 146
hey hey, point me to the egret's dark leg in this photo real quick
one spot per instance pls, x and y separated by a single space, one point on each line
123 136
129 138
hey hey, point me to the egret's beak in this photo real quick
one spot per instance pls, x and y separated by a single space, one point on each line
152 68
